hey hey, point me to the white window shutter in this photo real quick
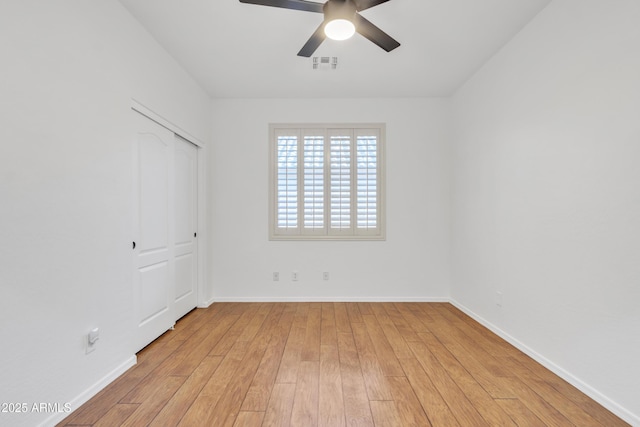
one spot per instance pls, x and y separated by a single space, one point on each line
326 182
340 172
287 183
314 183
367 163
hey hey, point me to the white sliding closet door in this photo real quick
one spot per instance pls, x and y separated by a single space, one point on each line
186 214
165 205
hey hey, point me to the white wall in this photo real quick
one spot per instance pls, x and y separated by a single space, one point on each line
69 71
412 264
546 195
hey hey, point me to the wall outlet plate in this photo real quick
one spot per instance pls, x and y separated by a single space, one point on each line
92 340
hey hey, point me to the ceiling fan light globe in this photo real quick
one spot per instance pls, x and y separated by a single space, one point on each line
339 29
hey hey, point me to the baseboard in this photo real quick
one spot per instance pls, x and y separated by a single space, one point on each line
91 391
594 394
206 304
332 299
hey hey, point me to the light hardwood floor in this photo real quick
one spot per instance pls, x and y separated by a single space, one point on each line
336 364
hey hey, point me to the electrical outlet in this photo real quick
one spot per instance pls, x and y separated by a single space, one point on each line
92 340
499 299
294 276
325 275
276 276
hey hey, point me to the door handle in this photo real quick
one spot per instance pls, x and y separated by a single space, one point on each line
134 245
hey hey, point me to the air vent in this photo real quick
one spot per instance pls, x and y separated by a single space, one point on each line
325 62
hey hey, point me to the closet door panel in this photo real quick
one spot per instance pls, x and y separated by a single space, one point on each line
154 274
186 207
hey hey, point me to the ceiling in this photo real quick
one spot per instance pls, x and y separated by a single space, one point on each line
236 50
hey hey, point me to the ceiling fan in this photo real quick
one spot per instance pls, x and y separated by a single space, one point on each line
341 21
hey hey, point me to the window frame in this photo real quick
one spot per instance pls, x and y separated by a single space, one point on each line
327 130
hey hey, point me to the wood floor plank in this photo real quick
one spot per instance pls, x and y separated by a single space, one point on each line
235 392
417 322
471 339
476 394
204 405
421 311
226 370
328 326
330 400
565 406
520 414
117 415
200 411
311 348
494 344
385 414
159 345
232 335
464 411
195 321
391 333
336 364
410 411
280 405
353 311
536 404
249 419
407 333
561 412
259 392
154 402
289 365
147 388
588 405
432 402
475 364
101 403
179 404
305 401
386 356
343 323
356 403
474 332
255 324
365 308
186 358
374 378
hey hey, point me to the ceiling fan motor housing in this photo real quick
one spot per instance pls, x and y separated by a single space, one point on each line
339 9
341 21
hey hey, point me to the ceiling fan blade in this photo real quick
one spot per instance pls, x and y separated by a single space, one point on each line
307 6
375 34
366 4
313 43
